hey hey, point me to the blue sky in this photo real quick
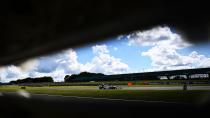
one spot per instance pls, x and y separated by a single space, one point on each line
119 49
155 49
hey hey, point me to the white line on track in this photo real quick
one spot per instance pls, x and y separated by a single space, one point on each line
111 99
79 97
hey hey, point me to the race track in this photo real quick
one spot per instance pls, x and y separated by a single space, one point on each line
135 88
45 106
168 88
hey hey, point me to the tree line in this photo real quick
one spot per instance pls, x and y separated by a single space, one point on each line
32 80
87 76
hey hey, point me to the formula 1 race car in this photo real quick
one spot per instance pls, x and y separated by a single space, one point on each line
108 87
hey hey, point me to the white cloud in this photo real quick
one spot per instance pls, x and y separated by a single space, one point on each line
157 36
205 62
10 73
163 52
100 49
66 62
28 65
164 59
58 65
103 62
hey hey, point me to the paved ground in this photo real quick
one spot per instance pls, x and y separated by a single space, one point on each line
136 88
45 106
168 88
26 105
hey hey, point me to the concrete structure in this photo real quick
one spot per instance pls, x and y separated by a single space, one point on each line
149 75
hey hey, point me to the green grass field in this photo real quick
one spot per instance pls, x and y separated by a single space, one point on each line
92 91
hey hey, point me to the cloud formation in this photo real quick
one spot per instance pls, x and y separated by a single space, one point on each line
100 49
164 49
159 36
66 62
103 62
10 73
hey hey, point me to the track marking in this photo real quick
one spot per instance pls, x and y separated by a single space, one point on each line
110 99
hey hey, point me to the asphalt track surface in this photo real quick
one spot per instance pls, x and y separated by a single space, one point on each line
14 105
168 88
141 88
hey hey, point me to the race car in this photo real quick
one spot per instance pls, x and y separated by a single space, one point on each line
108 86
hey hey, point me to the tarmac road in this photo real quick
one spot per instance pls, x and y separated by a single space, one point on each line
140 88
44 106
168 88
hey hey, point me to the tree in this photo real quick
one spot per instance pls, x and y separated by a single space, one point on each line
82 76
66 77
32 80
